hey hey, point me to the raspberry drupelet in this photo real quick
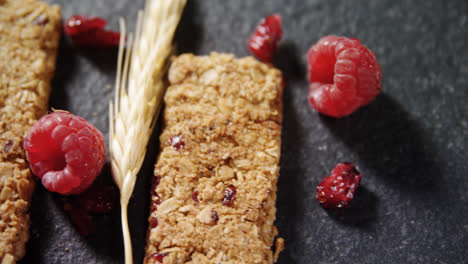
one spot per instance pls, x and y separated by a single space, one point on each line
343 76
65 151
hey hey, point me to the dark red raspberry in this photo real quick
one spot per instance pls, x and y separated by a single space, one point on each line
343 76
99 199
337 189
90 32
264 41
65 151
82 220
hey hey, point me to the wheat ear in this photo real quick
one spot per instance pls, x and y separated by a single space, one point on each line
139 89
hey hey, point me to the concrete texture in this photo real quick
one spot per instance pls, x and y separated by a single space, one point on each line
410 143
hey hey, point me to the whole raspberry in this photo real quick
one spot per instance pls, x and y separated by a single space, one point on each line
65 151
337 189
264 41
343 75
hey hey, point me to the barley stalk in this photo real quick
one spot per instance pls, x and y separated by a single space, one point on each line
139 89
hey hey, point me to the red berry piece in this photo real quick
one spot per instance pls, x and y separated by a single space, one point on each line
195 197
159 257
177 142
264 41
337 189
78 24
99 199
82 220
229 195
343 76
65 151
90 32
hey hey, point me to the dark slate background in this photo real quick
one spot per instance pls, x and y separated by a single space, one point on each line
410 143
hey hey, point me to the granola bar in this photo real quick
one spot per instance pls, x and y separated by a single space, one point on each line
29 37
214 186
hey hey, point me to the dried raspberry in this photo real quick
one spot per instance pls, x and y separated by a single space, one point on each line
90 32
229 195
177 142
264 41
65 151
343 76
337 189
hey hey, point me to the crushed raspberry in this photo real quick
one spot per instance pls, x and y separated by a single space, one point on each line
343 75
99 199
229 195
337 189
90 32
177 142
82 220
264 41
65 151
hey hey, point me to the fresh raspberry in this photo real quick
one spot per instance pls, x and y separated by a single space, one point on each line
90 32
264 41
65 151
337 189
343 75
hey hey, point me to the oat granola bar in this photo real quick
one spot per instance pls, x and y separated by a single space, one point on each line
214 186
29 37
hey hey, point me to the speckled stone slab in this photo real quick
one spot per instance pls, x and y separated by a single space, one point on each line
411 143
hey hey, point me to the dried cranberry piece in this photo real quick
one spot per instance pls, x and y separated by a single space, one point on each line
177 142
214 216
195 196
264 41
158 257
337 189
7 147
229 195
154 222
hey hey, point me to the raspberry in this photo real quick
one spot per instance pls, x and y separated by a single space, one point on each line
337 189
65 151
90 32
99 199
82 220
343 76
264 41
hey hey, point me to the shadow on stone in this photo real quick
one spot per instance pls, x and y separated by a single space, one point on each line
362 211
105 59
188 33
288 60
65 67
388 141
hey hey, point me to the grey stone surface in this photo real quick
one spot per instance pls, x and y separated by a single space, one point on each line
410 143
